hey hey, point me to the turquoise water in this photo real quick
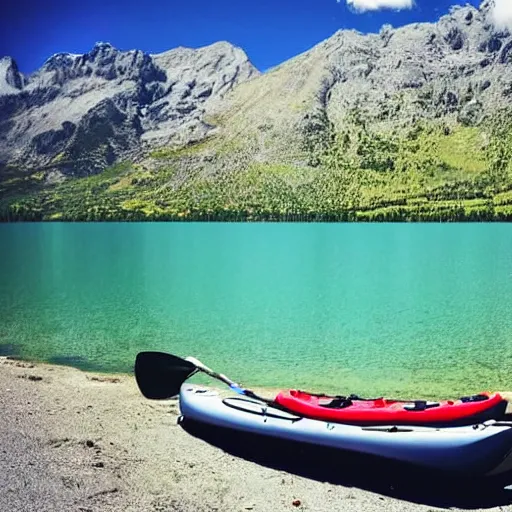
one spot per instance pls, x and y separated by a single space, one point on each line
374 309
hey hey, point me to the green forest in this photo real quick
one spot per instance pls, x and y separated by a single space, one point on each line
430 172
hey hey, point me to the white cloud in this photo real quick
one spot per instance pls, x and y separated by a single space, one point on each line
502 14
375 5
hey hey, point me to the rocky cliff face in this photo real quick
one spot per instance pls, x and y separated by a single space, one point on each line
457 70
79 113
11 81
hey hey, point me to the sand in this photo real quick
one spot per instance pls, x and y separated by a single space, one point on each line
75 441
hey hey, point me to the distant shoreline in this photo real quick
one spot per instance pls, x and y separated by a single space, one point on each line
383 215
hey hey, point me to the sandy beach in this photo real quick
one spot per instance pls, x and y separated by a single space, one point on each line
75 441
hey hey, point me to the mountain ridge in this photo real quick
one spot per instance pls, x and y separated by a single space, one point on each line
359 122
41 113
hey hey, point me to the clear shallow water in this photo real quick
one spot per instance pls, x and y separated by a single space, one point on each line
378 309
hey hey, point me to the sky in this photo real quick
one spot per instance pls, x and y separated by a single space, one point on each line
270 31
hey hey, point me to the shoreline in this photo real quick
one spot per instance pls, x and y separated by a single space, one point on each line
105 376
266 391
86 441
376 216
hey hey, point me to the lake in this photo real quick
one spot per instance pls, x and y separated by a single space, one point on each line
403 310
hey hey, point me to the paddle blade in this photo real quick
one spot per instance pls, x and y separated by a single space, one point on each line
160 375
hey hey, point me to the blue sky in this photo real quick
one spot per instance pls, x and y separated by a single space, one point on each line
270 31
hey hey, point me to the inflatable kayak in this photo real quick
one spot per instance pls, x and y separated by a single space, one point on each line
480 449
356 411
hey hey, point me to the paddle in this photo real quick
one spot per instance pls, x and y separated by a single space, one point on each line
160 375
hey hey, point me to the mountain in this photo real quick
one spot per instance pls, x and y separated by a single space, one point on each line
458 70
89 110
410 123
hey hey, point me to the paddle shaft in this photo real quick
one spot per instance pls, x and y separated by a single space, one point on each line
211 373
234 386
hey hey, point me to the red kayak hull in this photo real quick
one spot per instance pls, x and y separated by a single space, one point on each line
384 412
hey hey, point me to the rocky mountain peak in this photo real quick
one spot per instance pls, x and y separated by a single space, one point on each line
11 80
103 61
103 54
58 61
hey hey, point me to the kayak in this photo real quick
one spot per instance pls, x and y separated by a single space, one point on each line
482 449
356 411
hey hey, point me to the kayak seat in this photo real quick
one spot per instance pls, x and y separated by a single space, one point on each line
421 405
340 402
474 398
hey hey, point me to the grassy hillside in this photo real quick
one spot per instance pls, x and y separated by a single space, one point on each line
432 172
